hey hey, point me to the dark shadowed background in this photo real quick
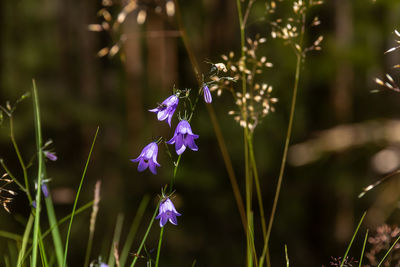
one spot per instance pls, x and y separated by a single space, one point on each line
344 138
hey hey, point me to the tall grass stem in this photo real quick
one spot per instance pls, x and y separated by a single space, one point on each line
77 197
38 135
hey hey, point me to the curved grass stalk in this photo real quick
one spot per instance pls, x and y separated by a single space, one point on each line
76 198
133 229
352 240
145 236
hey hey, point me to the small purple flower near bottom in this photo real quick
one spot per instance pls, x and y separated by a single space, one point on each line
148 158
207 94
183 137
167 212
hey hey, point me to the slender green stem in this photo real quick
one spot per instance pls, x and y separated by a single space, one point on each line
159 246
299 60
352 240
214 121
38 134
25 239
145 236
388 252
258 187
286 256
363 249
77 197
132 231
55 232
63 220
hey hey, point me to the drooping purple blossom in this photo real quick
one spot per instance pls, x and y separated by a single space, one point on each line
166 109
207 94
148 158
183 137
45 191
167 212
102 264
50 155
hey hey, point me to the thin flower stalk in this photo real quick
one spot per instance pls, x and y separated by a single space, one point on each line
216 127
299 60
248 171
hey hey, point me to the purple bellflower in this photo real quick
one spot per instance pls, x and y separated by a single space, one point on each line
183 137
50 155
166 109
167 212
148 158
45 191
207 94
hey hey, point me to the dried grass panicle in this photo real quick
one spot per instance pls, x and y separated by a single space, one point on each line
257 102
111 23
380 242
95 209
388 82
6 195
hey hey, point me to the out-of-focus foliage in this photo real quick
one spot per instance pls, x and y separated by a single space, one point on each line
50 41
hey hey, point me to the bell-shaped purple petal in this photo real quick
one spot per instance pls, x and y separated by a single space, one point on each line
183 137
166 109
148 158
207 94
167 212
50 155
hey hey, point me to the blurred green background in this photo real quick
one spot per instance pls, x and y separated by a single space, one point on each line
344 138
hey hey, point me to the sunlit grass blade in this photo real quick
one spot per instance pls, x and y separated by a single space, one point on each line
38 135
286 256
388 252
352 239
363 249
132 231
77 197
25 238
117 235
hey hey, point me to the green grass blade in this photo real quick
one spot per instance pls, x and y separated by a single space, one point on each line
54 231
63 220
363 249
132 231
77 197
388 252
145 236
117 235
352 239
286 256
25 238
38 134
42 252
159 246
